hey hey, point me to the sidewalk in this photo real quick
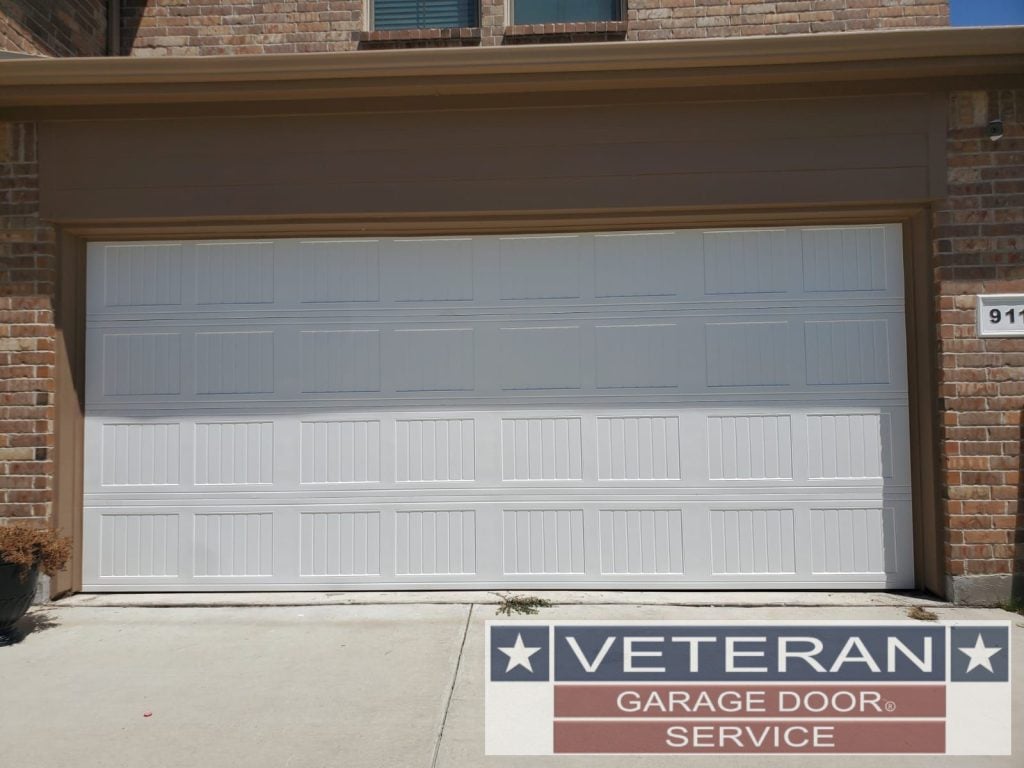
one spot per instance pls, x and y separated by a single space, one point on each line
393 683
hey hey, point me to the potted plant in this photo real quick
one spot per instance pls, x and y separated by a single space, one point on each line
26 550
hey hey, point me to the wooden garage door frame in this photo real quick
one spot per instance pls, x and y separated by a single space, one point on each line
919 302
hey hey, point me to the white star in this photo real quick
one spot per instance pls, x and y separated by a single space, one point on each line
980 655
519 655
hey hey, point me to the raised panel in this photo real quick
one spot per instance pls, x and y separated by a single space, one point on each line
339 271
541 449
435 450
746 261
747 354
235 273
234 453
433 360
340 452
844 259
141 364
540 358
235 363
853 540
340 361
141 275
849 445
637 542
234 544
752 541
339 544
141 454
540 267
543 541
138 545
750 448
435 542
638 448
636 265
429 270
637 356
847 352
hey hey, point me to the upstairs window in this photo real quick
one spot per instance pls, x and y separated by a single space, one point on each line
565 11
425 14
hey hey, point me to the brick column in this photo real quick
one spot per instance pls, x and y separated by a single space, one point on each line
979 248
27 355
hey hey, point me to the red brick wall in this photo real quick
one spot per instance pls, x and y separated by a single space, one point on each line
979 248
203 27
27 355
664 19
54 27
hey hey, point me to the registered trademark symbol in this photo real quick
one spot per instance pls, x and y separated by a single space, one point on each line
890 706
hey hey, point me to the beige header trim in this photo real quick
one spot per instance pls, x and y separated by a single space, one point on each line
824 57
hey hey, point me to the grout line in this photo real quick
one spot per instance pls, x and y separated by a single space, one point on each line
451 689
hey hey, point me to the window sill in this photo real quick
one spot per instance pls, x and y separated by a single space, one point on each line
582 31
419 38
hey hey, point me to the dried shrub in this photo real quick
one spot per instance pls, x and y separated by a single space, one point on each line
29 547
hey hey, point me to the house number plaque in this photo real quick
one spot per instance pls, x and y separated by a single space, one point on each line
1001 314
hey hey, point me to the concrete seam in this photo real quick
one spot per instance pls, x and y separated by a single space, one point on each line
451 689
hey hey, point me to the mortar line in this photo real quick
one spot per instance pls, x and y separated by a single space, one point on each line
451 689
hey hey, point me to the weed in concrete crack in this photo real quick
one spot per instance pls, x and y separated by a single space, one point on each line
921 614
524 604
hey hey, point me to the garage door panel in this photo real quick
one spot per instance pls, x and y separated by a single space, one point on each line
785 353
721 408
800 449
862 263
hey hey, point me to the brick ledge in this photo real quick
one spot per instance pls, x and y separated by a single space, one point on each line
427 36
577 28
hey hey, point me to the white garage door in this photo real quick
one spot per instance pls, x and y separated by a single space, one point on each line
684 409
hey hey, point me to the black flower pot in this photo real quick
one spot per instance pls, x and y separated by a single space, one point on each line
16 593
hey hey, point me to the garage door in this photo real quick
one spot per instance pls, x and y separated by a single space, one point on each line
685 409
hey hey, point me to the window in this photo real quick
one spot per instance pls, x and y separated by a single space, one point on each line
424 14
565 11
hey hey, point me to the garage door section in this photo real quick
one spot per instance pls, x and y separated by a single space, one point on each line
684 409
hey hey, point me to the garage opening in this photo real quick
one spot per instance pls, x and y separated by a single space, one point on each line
673 409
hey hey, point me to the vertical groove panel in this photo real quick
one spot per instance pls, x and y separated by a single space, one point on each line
638 448
141 454
748 541
138 545
750 448
340 452
234 453
236 544
541 449
853 541
539 541
844 259
235 273
435 450
339 544
435 542
847 352
637 542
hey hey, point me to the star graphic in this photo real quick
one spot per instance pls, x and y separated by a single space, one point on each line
519 655
980 655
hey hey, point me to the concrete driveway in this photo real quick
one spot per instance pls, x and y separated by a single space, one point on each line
331 680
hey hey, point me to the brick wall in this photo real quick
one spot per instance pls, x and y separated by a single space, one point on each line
54 27
203 27
979 248
27 355
664 19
